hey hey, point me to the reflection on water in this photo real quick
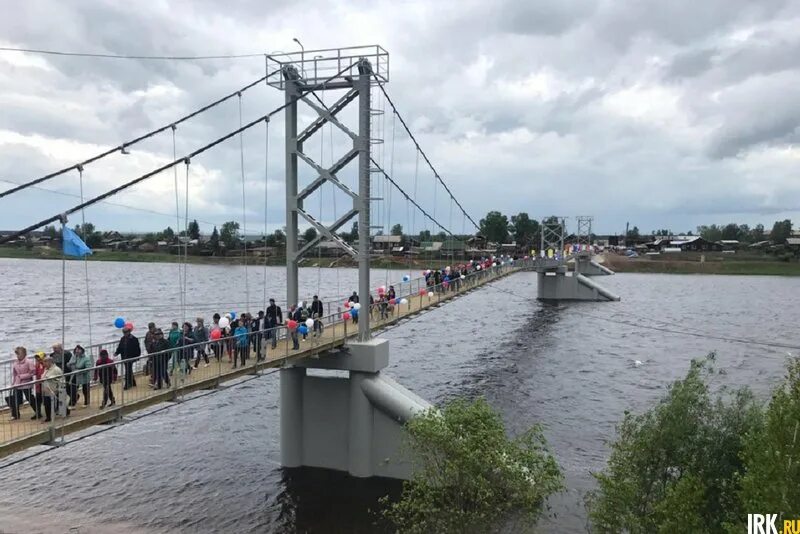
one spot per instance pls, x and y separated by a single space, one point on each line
211 464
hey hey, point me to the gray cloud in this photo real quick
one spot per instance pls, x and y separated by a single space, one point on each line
657 111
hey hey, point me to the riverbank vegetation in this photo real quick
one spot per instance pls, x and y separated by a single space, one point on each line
689 263
470 476
700 461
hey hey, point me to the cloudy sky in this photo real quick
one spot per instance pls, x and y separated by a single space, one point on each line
664 114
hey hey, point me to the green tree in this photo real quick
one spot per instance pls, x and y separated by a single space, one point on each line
194 230
310 235
213 241
91 237
49 231
280 238
730 232
757 233
168 234
633 233
710 233
397 229
781 231
495 227
772 455
425 235
229 234
525 229
674 468
471 476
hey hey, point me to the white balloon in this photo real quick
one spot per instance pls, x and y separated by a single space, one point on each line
430 294
310 323
224 322
463 277
403 301
478 267
356 306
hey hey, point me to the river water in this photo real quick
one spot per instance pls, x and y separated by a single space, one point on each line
211 464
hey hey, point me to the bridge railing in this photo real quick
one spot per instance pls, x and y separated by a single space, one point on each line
252 353
334 312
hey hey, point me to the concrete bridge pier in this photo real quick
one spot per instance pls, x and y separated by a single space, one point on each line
554 284
349 421
585 265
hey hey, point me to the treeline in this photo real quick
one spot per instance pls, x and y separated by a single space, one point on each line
781 230
700 462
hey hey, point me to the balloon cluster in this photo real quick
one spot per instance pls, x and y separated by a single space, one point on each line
120 322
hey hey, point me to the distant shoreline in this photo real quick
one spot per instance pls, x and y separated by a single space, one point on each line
43 253
686 264
730 266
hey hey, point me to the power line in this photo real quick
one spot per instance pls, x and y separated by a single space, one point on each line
422 152
124 56
121 148
188 157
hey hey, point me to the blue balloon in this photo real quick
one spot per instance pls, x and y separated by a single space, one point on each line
233 315
406 278
303 329
353 312
119 322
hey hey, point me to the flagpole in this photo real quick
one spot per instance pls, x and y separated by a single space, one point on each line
63 284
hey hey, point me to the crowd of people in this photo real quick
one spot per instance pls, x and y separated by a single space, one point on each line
58 382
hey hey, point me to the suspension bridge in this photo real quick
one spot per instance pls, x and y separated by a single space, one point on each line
351 423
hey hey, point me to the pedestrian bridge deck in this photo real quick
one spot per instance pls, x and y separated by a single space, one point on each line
18 435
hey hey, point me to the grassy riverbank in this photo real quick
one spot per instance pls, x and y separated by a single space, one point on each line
47 253
621 264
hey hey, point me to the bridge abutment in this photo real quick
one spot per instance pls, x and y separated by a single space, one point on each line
350 421
555 284
585 265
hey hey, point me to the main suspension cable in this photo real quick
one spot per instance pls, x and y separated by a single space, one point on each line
154 172
123 147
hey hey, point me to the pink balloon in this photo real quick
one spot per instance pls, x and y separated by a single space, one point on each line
347 304
129 326
346 316
423 292
291 325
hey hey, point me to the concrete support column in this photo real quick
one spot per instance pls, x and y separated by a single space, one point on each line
359 454
292 379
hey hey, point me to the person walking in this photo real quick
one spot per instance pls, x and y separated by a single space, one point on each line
354 300
149 339
106 376
23 372
82 362
200 334
53 389
38 393
317 313
303 317
129 350
160 360
63 360
242 343
274 317
186 343
256 327
174 338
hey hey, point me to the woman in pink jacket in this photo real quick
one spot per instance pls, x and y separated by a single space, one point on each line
23 372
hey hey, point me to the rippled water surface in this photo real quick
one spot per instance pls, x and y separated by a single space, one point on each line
210 464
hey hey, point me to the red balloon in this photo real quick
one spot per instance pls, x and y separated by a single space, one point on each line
392 301
216 334
129 326
423 292
346 316
291 325
347 304
381 291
